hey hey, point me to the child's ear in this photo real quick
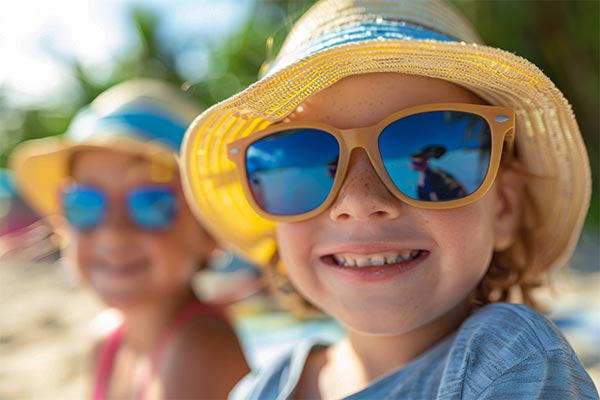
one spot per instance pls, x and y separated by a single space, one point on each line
508 207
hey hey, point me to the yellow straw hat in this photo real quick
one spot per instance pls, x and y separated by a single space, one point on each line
143 116
340 38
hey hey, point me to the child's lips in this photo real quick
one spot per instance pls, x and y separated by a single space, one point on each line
374 266
123 269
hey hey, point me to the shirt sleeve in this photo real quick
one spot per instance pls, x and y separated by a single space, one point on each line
546 375
244 389
509 351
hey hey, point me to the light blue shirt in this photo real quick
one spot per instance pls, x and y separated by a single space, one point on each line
502 351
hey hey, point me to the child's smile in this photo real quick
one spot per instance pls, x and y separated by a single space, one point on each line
369 262
119 276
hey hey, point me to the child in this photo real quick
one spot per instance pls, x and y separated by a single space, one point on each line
114 176
420 284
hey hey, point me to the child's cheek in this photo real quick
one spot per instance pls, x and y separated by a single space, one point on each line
293 243
465 234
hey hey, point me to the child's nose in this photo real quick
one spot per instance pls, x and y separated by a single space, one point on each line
117 218
363 195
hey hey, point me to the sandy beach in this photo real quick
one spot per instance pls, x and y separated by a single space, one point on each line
44 333
47 326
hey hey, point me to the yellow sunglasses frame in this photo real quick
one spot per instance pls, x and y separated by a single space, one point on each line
501 121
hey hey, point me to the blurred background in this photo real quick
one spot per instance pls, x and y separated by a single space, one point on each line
58 56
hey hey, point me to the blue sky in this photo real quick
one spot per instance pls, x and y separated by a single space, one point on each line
36 34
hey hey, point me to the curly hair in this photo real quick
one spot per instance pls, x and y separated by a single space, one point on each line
514 274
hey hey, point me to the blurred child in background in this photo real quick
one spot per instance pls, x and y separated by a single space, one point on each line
327 199
132 239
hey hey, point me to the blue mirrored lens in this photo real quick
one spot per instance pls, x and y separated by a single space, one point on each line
152 207
437 155
84 206
292 172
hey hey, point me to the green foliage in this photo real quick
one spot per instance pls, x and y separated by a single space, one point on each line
237 64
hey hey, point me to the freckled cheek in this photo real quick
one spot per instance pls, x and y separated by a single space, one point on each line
464 235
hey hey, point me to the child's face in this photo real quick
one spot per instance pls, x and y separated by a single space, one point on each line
450 249
125 264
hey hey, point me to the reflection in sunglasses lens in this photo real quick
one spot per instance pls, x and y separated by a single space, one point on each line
437 155
291 172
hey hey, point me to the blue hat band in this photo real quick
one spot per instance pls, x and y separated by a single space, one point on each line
149 123
362 32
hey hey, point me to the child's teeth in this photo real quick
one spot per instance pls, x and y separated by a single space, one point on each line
392 259
340 260
363 262
375 260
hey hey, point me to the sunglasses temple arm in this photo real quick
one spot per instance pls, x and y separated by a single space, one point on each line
510 141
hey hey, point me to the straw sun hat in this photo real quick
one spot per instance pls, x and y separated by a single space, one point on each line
144 116
340 38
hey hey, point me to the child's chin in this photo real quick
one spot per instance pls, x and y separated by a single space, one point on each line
373 323
123 301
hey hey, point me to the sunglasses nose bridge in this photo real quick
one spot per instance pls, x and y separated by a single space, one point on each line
358 138
117 215
365 138
362 138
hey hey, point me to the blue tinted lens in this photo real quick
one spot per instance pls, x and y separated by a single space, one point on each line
437 155
292 172
84 206
152 207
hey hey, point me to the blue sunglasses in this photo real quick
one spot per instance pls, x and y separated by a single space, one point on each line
149 207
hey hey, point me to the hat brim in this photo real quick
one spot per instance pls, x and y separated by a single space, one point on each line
41 166
547 135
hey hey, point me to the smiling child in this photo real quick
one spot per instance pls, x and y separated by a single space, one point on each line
310 173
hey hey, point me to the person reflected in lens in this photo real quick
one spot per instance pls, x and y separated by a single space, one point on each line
434 183
332 168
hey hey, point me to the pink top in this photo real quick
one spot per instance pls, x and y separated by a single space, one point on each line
111 346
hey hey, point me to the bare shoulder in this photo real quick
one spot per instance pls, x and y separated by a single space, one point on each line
203 359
